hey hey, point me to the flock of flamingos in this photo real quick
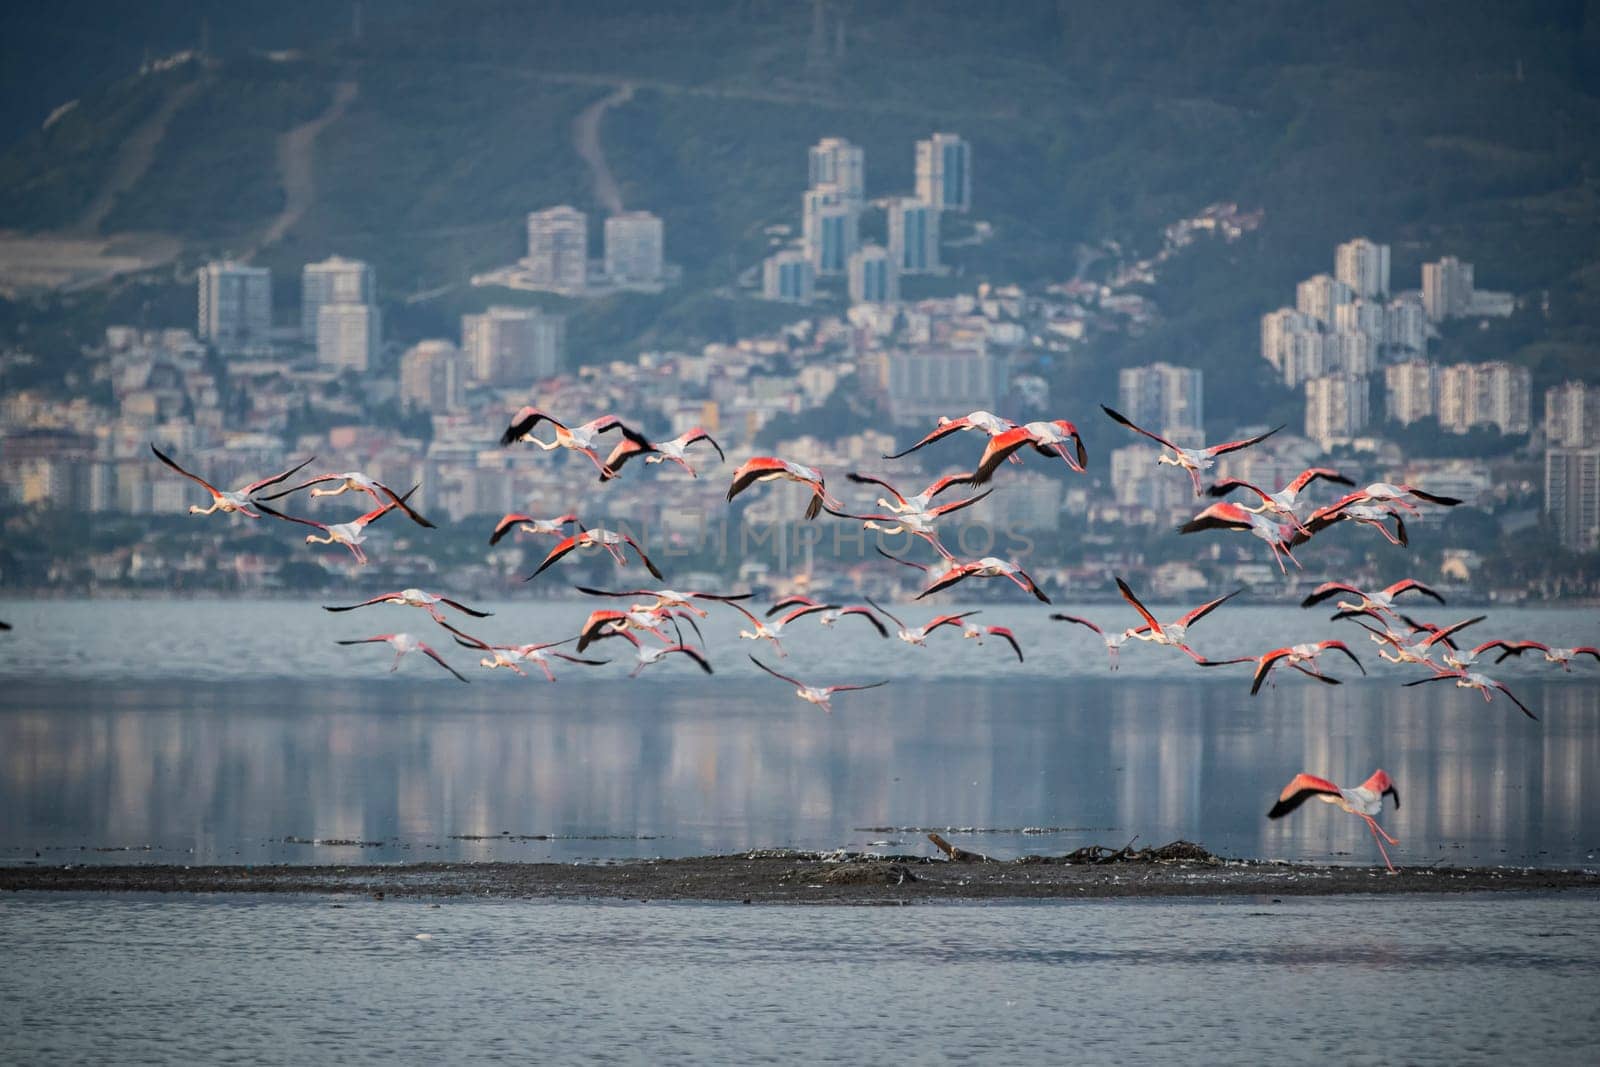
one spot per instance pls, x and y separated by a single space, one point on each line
1282 519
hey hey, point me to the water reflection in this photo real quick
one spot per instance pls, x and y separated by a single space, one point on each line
618 769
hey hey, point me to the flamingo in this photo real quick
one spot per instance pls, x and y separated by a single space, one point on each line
772 631
977 633
1285 503
1045 438
1472 680
918 635
919 522
1365 800
1461 659
604 623
982 421
987 567
668 598
1387 491
225 502
946 566
1563 656
1193 460
1353 509
1114 641
596 538
402 644
1381 601
770 468
354 482
1278 536
512 656
350 534
582 438
530 525
1173 633
822 695
1416 647
649 654
415 598
1296 656
829 615
918 503
675 450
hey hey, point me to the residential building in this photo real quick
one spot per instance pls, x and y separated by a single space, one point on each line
1319 296
837 163
1363 266
1277 328
235 305
1446 288
513 345
788 276
1363 316
944 172
333 281
558 249
1406 324
348 335
1572 416
1336 408
1411 391
1162 397
1306 356
634 247
1348 352
831 229
925 383
1572 495
1477 394
431 376
873 277
913 236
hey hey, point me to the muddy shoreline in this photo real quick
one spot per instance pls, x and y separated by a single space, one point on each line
782 877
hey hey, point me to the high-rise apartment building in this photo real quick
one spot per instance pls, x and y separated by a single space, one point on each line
913 236
1163 397
1350 352
873 277
1411 391
838 164
944 172
235 305
1363 266
1336 408
1363 316
634 247
788 276
558 249
513 345
1572 495
1478 394
432 374
348 336
1572 416
1406 324
1446 288
925 382
831 224
333 281
1278 329
1320 295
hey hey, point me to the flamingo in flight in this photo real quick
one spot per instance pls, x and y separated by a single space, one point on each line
415 598
772 631
1563 656
403 644
1365 800
1388 492
1114 641
918 635
668 598
607 623
820 695
354 482
770 468
970 632
918 503
596 538
829 614
938 572
1045 438
1173 633
1193 460
987 567
1279 536
1296 656
513 656
1355 509
1285 503
982 421
350 534
1472 680
228 502
584 438
675 450
530 525
919 523
1381 601
648 654
1416 647
1461 659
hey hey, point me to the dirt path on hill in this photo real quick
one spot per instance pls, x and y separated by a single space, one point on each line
134 157
296 164
586 140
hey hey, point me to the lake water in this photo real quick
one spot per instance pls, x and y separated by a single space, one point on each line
139 731
1417 980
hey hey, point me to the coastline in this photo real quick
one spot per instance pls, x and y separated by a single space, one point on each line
783 877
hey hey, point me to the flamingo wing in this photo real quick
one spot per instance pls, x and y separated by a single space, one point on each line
365 640
625 450
288 518
856 688
945 620
464 609
946 509
946 430
318 480
791 602
400 502
1264 668
465 638
950 577
561 549
263 483
428 651
382 509
1444 634
1328 589
523 422
885 613
1117 416
1517 648
1587 650
783 677
168 460
379 599
1025 580
1128 595
1434 498
997 451
1513 698
1411 585
866 613
903 562
1340 646
507 524
651 567
692 653
867 479
1009 637
809 609
1231 485
699 434
1234 446
752 471
1218 517
580 659
1327 474
1081 622
1301 788
1207 608
941 484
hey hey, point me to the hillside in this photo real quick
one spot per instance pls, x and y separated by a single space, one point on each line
1466 129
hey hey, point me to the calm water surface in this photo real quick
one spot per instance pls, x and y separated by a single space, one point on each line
1352 980
239 732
